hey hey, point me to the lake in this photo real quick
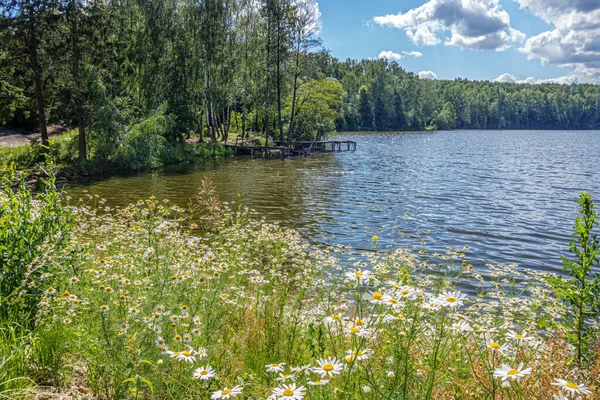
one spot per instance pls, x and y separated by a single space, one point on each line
509 195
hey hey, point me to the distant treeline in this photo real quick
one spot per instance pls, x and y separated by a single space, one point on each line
174 67
379 95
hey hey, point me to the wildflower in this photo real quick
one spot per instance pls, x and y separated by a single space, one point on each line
520 337
290 392
73 280
101 247
571 388
186 355
461 326
226 393
333 319
391 374
285 377
104 308
366 389
358 354
359 276
377 297
506 372
359 330
496 347
328 367
322 382
149 252
275 367
201 352
204 373
450 299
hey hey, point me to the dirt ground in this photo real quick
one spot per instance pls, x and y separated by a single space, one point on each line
13 138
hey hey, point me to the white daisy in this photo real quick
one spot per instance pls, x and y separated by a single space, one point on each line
226 393
450 299
204 373
328 367
289 392
506 372
571 387
275 367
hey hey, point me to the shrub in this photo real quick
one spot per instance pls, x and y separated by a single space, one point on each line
581 291
143 145
29 225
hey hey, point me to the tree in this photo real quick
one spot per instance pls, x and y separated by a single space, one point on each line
365 108
318 107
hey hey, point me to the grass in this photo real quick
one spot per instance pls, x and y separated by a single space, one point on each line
152 301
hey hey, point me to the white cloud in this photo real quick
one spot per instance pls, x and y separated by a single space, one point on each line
471 24
563 80
575 40
390 55
427 75
415 54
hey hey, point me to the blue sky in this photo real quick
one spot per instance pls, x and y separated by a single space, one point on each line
476 39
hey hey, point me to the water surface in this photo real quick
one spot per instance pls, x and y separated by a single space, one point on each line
510 195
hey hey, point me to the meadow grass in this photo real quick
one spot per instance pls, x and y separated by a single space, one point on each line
153 301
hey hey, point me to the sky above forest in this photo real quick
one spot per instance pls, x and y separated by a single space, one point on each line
528 41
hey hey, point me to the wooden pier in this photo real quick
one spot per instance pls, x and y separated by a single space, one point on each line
297 149
330 146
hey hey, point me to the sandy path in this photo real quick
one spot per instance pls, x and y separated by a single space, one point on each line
13 138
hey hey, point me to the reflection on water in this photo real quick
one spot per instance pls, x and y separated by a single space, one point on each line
510 195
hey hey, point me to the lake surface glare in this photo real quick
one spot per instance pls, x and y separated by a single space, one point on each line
511 196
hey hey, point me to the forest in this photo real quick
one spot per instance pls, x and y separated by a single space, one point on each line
138 74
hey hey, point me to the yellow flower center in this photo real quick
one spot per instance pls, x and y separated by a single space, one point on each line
495 346
404 292
288 392
226 391
204 372
358 274
519 336
571 385
336 317
328 367
512 372
318 383
377 296
186 353
451 299
354 329
360 322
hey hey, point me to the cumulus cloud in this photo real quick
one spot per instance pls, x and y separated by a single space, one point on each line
468 24
390 55
563 80
415 54
575 40
427 75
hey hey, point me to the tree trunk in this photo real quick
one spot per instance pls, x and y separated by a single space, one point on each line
268 93
279 121
77 81
37 73
295 88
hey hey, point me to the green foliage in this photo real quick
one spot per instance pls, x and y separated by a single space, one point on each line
318 107
143 145
29 224
62 150
365 109
15 382
581 292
